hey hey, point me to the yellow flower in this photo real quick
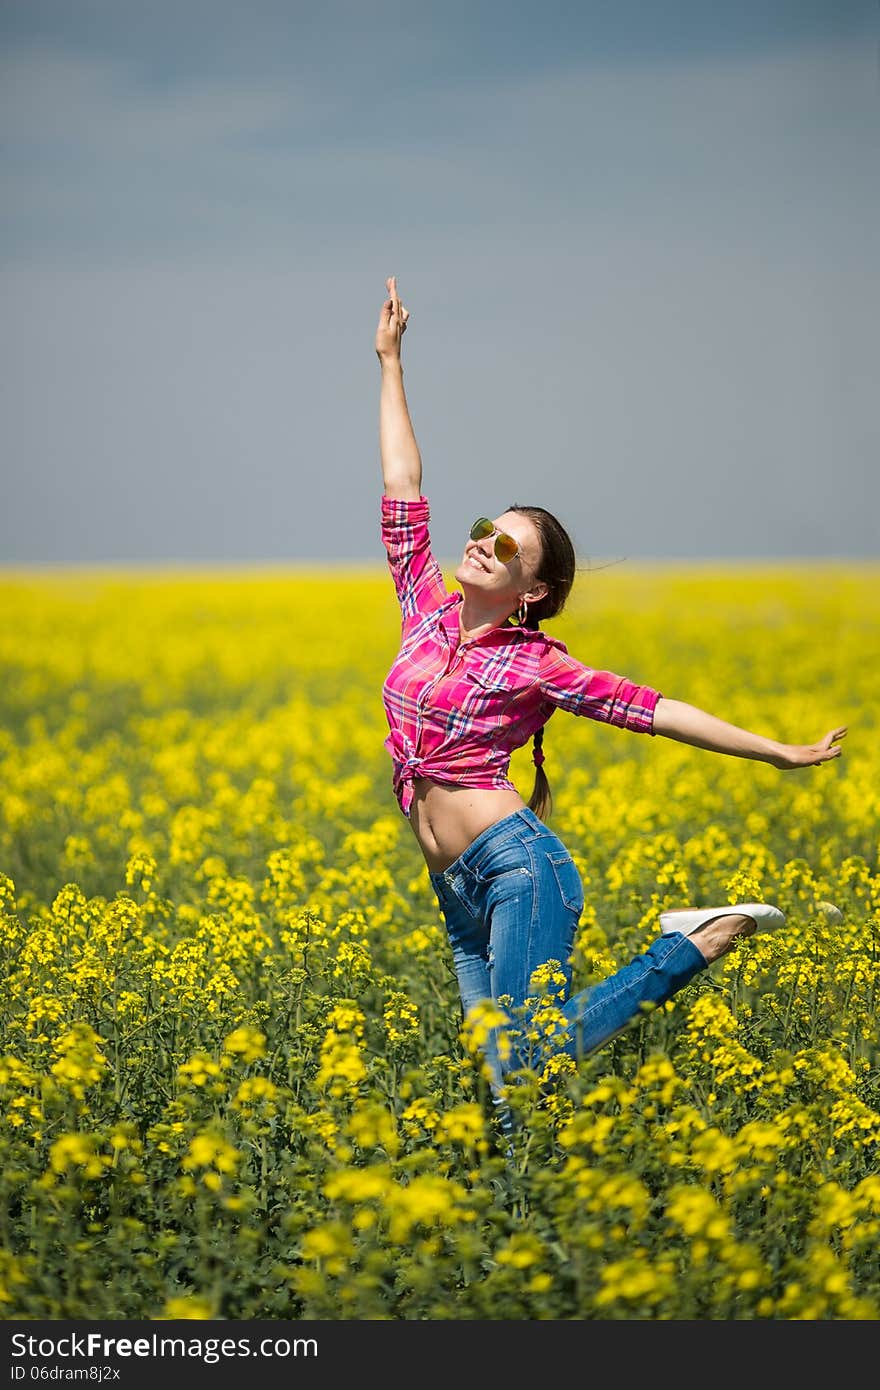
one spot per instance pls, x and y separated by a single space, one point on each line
13 1272
323 1242
210 1150
359 1185
372 1126
464 1124
78 1151
7 893
401 1019
256 1091
342 1064
521 1252
633 1281
480 1022
199 1069
420 1114
548 978
140 871
81 1063
182 1309
247 1043
424 1201
346 1017
697 1213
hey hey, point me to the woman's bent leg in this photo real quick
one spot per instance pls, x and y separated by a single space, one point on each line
532 923
598 1014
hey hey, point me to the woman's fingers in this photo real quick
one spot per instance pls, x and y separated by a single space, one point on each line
400 311
813 754
393 312
830 745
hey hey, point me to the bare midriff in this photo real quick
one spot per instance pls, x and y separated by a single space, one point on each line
447 819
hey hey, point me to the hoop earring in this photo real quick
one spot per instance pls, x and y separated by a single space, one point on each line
522 613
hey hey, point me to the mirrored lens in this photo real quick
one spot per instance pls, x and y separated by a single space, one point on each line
481 528
505 547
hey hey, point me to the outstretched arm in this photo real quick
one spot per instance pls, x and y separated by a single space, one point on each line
687 724
401 461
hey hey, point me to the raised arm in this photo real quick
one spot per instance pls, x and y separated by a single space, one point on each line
401 460
687 724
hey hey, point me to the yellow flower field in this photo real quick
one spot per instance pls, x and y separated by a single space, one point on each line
233 1072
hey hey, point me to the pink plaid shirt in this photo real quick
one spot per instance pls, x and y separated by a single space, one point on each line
458 709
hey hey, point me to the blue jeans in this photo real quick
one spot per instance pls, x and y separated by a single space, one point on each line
511 903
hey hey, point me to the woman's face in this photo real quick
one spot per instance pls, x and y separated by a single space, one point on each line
481 571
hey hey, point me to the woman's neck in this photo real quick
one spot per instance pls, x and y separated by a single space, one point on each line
474 619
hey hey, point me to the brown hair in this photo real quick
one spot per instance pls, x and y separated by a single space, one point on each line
557 569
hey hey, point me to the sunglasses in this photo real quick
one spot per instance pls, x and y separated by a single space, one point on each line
506 548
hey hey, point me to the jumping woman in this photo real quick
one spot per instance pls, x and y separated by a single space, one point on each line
475 678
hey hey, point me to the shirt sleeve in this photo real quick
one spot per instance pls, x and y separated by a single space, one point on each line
601 695
417 576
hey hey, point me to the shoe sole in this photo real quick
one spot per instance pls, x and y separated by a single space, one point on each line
689 920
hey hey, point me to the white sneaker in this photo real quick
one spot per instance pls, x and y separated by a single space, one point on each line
688 920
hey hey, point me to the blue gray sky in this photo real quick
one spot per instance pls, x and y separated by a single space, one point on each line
638 242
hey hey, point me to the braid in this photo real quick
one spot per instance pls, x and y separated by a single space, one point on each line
538 748
541 802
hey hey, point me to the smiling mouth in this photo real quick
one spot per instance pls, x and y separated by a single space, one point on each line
478 564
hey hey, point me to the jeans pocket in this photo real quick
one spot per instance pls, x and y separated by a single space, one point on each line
497 858
568 880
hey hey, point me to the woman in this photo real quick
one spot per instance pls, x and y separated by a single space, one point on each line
475 678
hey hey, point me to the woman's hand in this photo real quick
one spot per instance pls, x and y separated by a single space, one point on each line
392 323
792 755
